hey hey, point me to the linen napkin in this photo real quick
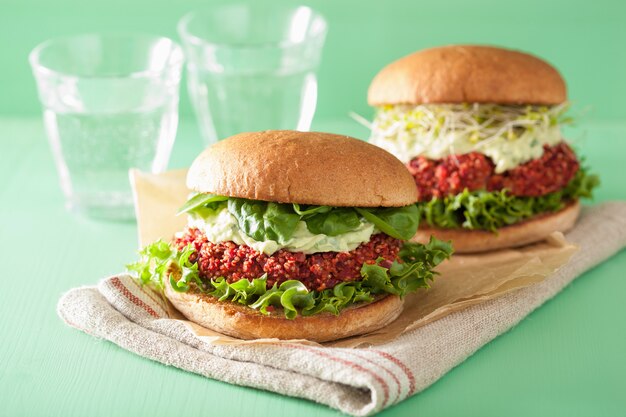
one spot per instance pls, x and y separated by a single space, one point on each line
359 381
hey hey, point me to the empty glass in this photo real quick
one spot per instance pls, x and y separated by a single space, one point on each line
252 67
110 103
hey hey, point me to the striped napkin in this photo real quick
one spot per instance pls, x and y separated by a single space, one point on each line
360 381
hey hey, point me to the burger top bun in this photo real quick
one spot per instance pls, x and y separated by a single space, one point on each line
468 74
303 167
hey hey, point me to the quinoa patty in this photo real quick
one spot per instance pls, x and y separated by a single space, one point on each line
316 271
474 171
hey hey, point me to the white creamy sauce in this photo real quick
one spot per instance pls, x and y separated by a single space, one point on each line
395 131
223 227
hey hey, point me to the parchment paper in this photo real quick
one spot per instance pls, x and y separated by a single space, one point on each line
464 280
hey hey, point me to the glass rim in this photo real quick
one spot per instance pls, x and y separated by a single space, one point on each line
187 36
37 66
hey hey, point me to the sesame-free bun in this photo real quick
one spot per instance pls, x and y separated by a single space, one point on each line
468 74
316 168
243 322
532 230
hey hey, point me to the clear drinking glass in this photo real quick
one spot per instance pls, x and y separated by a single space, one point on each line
110 103
252 67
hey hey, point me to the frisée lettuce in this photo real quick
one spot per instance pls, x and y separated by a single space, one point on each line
160 264
485 210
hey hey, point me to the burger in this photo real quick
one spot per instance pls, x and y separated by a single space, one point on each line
294 235
479 128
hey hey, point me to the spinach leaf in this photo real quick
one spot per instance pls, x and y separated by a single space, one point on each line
333 222
310 210
200 201
398 222
262 220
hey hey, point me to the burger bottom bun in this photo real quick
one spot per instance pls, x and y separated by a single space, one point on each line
243 322
532 230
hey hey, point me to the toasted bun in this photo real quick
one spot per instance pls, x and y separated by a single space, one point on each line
523 233
303 167
243 322
468 74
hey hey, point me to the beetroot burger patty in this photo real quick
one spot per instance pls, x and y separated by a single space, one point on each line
474 171
316 271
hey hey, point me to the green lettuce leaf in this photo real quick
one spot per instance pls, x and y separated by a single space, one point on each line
333 222
162 265
310 210
201 201
263 220
484 210
150 269
398 222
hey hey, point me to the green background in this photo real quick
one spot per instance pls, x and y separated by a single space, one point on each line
566 359
583 39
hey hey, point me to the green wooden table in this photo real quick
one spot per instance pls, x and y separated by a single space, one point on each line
566 359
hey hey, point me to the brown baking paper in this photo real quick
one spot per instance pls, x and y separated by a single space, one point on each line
464 280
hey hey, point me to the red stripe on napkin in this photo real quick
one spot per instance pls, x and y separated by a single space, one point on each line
117 283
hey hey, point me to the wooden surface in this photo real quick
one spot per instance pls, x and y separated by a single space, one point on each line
565 359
